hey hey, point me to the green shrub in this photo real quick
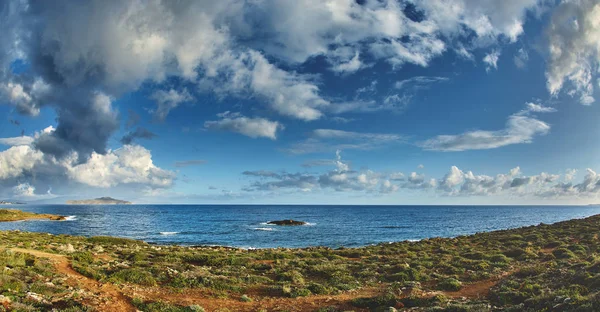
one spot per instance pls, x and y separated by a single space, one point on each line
530 271
245 298
300 292
135 276
387 300
112 240
318 289
86 270
563 253
83 257
553 244
450 284
499 258
292 276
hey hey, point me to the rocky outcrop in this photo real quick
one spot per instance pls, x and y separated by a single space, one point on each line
18 215
287 222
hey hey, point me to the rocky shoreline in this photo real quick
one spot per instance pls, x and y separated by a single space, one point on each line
7 215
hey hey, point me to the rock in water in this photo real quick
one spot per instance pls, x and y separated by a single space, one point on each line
287 222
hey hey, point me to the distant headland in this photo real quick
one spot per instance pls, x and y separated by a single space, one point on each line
18 215
99 201
4 202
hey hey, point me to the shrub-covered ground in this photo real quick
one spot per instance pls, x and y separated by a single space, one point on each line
18 215
540 268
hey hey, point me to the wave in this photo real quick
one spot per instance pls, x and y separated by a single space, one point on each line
168 233
394 227
264 229
310 224
71 218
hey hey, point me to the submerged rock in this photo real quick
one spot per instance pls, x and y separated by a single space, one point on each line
287 222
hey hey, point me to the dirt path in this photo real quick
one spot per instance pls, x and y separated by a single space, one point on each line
478 289
116 300
199 297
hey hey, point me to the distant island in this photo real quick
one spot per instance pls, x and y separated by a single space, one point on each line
3 202
99 201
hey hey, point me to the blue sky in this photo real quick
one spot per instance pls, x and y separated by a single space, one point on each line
336 102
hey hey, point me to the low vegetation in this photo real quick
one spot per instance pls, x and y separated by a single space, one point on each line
18 215
539 268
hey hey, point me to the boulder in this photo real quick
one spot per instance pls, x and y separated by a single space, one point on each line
287 222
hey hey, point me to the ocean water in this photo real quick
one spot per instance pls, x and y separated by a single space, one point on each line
245 225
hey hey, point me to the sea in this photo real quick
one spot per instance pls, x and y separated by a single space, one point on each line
245 226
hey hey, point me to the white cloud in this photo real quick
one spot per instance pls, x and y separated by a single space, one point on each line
24 190
419 82
341 179
17 160
573 36
251 127
488 19
215 46
168 100
538 108
519 129
491 60
570 174
16 141
349 65
521 58
323 140
131 164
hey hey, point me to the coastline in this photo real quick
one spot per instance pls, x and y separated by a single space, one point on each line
11 215
512 269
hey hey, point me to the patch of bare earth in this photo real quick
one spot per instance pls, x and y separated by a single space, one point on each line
111 297
202 298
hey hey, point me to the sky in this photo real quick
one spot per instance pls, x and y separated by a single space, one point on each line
301 102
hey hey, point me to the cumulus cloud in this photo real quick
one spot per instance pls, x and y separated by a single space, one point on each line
456 182
130 165
17 160
15 141
341 178
251 127
570 174
573 36
332 139
520 128
24 190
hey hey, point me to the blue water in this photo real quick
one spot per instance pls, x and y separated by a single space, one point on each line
333 226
